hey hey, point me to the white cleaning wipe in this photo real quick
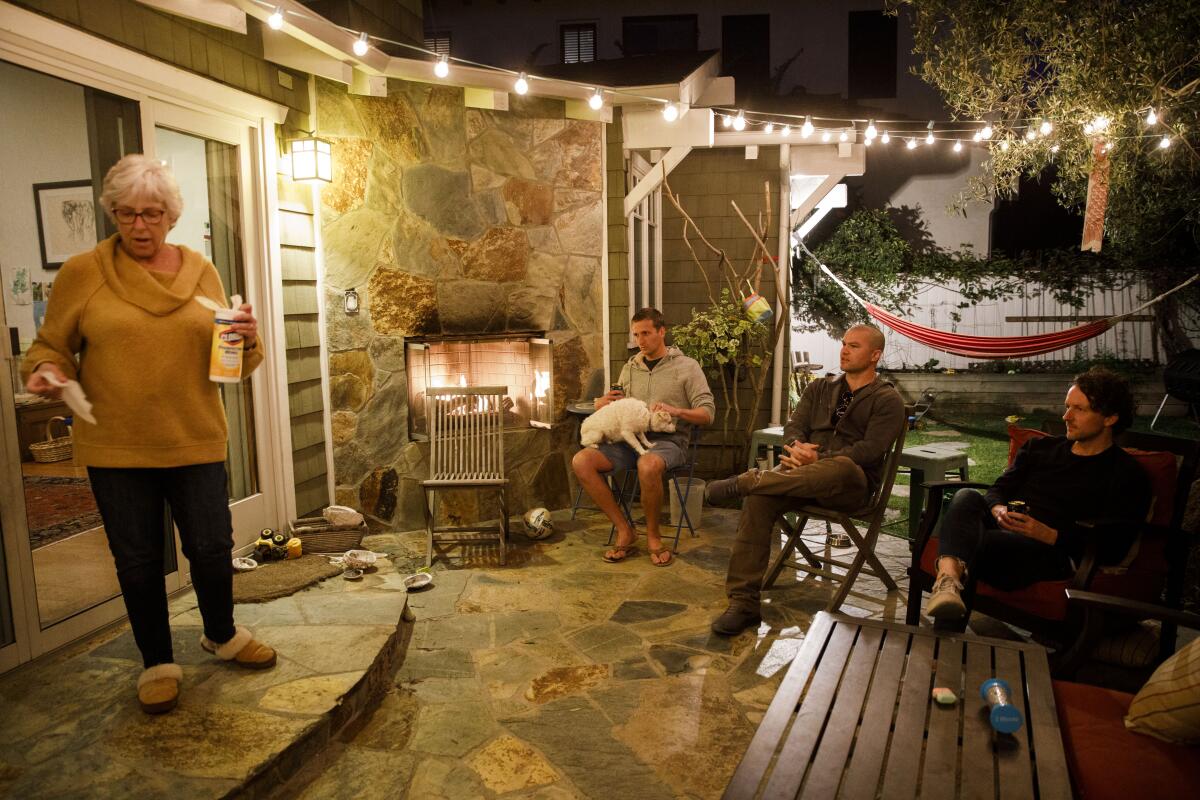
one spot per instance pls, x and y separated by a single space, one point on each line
73 396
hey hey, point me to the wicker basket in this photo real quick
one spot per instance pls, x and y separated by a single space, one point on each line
317 535
55 448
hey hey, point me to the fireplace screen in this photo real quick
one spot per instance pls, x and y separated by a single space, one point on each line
521 363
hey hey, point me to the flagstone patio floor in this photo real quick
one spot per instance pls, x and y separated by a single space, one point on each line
561 676
556 676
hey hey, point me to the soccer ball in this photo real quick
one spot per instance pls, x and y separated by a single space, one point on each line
538 524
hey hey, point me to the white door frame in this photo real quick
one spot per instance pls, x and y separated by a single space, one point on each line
163 92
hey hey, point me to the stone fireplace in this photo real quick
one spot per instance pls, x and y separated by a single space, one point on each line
520 362
473 240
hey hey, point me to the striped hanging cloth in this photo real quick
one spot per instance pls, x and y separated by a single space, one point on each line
994 347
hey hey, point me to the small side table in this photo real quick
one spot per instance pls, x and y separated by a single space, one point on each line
764 437
935 459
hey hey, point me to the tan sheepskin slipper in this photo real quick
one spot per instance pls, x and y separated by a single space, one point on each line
158 688
243 649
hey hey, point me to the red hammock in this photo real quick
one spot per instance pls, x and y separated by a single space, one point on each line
990 346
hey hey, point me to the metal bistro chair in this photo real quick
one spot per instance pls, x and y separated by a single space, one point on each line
865 559
466 451
627 494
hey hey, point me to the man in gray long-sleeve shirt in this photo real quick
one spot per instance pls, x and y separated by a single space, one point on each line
836 443
665 379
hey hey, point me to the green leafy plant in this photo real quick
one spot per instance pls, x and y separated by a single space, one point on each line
720 335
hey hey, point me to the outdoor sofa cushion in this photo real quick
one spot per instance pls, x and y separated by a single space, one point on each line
1108 761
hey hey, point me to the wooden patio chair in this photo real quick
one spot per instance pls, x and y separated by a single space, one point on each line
865 559
466 451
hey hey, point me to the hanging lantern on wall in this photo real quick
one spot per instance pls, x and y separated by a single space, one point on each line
312 159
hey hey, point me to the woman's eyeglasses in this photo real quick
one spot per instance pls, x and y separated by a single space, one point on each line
150 216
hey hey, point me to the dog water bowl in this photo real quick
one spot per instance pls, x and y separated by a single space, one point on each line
418 581
244 564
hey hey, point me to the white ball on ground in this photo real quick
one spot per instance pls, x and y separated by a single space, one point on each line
538 523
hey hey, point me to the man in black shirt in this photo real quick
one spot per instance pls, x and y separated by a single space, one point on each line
1060 481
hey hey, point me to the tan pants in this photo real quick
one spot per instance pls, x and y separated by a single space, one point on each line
836 483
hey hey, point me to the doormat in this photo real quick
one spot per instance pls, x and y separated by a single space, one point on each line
276 579
58 507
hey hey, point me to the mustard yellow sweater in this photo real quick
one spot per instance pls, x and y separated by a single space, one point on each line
139 345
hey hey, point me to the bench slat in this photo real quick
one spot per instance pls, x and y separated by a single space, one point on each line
862 777
810 719
834 749
753 766
904 753
939 777
978 760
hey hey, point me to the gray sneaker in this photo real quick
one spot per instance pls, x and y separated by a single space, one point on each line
945 601
720 491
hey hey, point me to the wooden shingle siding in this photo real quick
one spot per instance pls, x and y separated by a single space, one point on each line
231 58
301 323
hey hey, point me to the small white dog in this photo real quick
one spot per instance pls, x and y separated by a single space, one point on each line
625 420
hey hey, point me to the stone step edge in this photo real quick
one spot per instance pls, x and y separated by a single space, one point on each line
303 760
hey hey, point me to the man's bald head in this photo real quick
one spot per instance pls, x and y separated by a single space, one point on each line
876 336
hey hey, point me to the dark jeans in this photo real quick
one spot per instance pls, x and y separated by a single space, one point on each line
1001 558
131 502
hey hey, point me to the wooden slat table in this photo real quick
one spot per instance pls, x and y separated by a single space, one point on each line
853 718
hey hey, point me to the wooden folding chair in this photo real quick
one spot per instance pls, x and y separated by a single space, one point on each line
466 451
865 559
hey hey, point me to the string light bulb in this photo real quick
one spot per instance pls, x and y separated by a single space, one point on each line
826 136
1046 127
1100 123
912 144
871 132
361 45
785 131
1088 128
1152 118
843 136
726 121
739 122
1054 148
1164 142
770 128
670 112
929 136
1004 146
986 133
275 21
958 145
887 137
978 135
806 130
522 84
442 67
1030 134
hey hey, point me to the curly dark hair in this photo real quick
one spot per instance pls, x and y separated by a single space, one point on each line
1108 393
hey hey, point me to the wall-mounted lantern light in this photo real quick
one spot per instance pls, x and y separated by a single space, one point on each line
312 159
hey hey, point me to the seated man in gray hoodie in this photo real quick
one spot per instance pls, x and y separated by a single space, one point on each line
665 379
835 445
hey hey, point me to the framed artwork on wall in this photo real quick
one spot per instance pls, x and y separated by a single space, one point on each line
66 220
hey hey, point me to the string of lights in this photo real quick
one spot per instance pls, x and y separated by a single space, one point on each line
802 126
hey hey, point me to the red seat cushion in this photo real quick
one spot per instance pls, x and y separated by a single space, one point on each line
1108 761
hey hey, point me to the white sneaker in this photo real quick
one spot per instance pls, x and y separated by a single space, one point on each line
945 602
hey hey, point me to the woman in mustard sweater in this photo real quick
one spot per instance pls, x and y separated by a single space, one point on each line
123 322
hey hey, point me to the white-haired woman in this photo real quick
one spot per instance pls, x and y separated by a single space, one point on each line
122 322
